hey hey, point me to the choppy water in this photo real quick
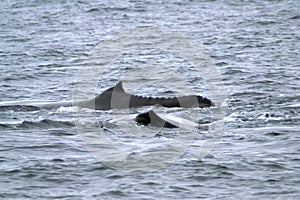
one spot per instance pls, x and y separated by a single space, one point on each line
254 44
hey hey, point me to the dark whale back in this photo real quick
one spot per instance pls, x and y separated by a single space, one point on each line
116 98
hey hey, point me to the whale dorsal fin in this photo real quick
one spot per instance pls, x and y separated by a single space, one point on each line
151 118
119 87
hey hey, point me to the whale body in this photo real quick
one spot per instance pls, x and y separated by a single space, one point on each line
117 98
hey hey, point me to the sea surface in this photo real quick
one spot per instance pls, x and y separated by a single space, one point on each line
75 153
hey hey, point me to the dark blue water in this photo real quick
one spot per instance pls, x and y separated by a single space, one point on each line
253 44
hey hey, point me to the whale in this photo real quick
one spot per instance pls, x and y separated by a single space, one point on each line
117 98
167 120
153 119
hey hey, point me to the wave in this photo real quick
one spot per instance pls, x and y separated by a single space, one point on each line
19 108
44 124
32 105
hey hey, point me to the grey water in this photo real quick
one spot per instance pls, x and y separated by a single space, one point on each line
253 44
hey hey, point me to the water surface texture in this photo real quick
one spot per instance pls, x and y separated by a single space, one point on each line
255 46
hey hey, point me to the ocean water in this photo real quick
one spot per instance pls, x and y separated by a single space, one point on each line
52 154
